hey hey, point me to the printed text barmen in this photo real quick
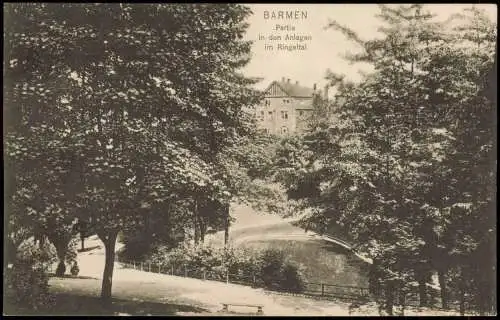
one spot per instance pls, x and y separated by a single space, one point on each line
285 15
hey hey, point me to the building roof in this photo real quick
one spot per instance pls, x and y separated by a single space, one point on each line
303 104
294 89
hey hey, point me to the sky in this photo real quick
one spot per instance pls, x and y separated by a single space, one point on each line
326 47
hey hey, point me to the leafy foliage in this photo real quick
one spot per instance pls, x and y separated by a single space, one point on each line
117 109
277 273
404 162
27 280
269 268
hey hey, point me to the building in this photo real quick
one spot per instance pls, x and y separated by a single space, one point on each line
286 107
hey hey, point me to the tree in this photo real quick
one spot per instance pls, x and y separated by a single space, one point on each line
245 166
128 102
399 148
83 229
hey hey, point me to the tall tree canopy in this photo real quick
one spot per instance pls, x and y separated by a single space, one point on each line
407 165
113 109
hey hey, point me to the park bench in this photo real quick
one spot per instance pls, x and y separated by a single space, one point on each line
225 306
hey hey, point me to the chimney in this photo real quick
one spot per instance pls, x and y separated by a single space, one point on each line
282 79
314 87
288 80
326 93
296 82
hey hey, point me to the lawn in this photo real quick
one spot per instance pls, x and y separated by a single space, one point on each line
144 293
69 303
141 293
321 261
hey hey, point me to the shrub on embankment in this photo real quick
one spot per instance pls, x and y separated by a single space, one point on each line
268 268
27 279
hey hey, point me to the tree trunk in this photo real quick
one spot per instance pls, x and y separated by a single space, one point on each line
422 293
226 225
61 268
462 302
109 240
402 301
148 232
461 288
486 288
203 229
374 281
196 232
61 244
442 285
389 299
40 238
482 298
82 238
10 253
196 223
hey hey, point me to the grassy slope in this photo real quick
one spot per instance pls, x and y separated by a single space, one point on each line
321 261
144 293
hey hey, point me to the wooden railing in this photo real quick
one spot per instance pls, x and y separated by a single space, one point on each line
312 289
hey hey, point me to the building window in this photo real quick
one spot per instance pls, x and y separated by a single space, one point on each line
267 102
301 113
284 130
284 115
270 115
261 115
266 130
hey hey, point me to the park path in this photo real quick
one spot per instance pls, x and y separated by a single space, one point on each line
144 286
140 285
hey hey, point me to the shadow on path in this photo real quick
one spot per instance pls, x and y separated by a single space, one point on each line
73 304
68 276
89 249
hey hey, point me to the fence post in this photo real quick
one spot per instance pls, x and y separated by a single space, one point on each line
204 275
172 270
185 272
150 267
159 268
227 275
254 280
322 289
141 267
133 262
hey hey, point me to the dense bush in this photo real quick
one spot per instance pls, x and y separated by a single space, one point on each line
70 257
27 279
135 248
140 244
292 279
269 269
271 262
278 273
72 253
203 258
75 270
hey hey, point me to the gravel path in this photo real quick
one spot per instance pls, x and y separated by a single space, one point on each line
146 286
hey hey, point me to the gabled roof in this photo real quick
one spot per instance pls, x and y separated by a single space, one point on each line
293 89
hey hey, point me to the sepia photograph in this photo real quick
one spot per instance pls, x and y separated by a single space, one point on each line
249 159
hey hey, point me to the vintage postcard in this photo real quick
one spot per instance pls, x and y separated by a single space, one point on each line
250 159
